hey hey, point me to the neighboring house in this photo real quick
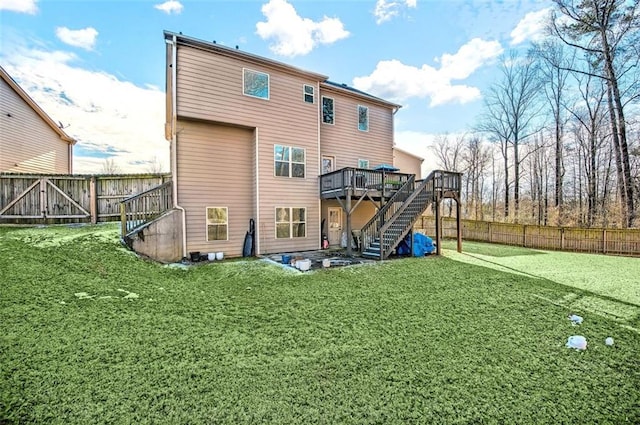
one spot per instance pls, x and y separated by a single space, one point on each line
256 139
407 162
30 141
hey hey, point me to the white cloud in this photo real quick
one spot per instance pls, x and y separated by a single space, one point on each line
396 81
84 38
293 34
20 6
387 9
170 6
531 27
107 116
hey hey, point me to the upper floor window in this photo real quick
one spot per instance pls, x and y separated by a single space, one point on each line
291 222
363 163
308 93
327 110
289 161
363 118
255 84
217 224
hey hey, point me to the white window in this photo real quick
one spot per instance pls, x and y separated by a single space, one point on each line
291 222
217 224
255 83
307 92
327 110
363 118
289 161
363 163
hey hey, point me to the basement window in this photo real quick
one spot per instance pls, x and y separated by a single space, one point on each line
217 224
291 222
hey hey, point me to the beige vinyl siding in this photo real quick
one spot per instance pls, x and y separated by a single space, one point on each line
27 143
348 144
407 163
210 88
215 169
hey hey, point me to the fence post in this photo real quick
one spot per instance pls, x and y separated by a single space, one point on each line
524 235
93 200
604 241
43 197
562 238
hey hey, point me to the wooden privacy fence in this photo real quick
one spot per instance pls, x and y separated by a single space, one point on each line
603 241
54 198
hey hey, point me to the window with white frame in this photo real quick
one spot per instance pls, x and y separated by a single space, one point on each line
327 110
255 83
217 224
289 161
363 118
363 163
291 222
308 93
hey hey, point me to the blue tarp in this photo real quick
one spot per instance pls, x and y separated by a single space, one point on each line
422 245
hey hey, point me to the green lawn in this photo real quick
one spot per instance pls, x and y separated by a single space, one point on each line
89 333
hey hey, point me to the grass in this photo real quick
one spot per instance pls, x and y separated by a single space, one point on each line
92 334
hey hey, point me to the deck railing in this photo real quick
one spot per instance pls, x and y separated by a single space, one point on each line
361 179
140 209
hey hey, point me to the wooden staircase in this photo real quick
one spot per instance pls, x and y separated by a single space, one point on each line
382 234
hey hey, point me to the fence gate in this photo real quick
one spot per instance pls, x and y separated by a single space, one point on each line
45 197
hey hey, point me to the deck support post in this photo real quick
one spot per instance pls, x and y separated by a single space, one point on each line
458 223
438 225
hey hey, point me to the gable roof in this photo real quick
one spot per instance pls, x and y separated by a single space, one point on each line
228 51
37 109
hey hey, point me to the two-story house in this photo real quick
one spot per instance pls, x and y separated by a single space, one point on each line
30 141
300 157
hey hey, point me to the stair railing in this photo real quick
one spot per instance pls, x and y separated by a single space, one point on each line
140 209
371 230
387 244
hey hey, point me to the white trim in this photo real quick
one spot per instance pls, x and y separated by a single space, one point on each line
322 110
290 162
305 94
207 224
268 84
291 222
358 117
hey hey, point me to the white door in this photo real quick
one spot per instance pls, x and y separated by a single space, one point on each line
335 225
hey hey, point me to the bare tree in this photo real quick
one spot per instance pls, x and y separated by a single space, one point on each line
511 109
607 31
109 166
154 166
555 61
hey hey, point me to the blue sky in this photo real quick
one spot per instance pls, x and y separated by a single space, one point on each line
98 66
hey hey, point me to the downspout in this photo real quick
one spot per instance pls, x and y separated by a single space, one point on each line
174 142
318 126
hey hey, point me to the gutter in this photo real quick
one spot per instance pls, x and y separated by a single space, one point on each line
174 141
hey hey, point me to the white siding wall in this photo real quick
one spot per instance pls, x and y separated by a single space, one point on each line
27 143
